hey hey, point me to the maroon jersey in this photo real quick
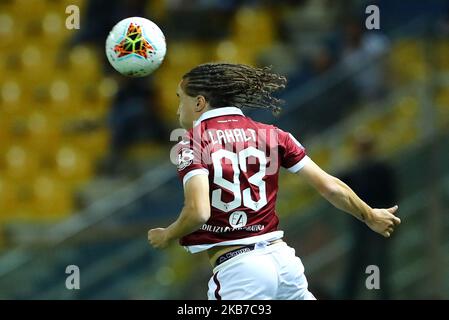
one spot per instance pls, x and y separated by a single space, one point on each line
242 158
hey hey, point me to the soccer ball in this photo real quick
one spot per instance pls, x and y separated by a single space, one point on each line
135 47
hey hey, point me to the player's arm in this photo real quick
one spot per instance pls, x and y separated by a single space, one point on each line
342 197
195 213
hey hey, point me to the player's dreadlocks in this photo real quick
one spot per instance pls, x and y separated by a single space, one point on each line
238 85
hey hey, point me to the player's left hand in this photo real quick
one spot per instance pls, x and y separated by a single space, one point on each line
158 238
383 221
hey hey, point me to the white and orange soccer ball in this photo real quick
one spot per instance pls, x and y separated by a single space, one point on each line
136 47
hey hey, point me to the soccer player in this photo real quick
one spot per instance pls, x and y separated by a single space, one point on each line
229 165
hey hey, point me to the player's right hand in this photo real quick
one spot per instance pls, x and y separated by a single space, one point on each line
158 238
383 221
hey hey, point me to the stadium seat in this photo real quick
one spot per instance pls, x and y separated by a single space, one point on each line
184 55
377 125
60 91
5 137
79 3
10 28
253 28
54 32
65 95
73 165
44 133
234 52
20 163
442 105
51 198
406 109
94 143
442 98
7 199
84 64
442 54
108 87
36 60
407 61
36 7
12 97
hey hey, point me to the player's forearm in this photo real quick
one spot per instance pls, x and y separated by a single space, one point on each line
189 221
344 198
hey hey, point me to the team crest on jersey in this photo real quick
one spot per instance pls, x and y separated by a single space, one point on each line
185 158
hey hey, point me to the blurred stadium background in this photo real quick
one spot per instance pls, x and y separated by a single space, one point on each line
84 152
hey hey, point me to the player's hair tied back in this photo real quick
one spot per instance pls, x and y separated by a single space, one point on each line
238 85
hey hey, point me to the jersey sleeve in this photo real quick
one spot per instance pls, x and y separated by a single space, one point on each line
292 154
190 159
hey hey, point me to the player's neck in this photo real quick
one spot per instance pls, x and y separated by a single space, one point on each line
198 114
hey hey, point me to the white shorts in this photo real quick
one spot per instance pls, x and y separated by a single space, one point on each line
267 272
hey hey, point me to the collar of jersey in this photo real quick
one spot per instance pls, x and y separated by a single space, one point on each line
224 111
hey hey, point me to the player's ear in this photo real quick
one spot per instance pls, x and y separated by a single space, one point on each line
201 103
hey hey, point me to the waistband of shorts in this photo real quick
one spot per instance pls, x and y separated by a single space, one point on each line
238 251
